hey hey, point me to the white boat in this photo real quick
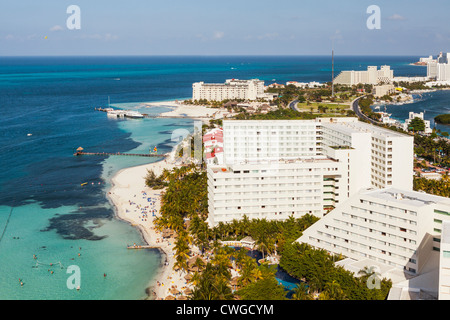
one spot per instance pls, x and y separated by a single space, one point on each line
134 114
116 114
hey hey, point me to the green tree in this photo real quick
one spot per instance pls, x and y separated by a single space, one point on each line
417 125
212 284
301 292
263 289
154 182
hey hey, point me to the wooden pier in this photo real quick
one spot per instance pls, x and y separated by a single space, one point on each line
140 247
107 154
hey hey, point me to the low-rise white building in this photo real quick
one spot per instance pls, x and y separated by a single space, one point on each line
383 90
312 84
412 116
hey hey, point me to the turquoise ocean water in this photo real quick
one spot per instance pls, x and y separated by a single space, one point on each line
44 210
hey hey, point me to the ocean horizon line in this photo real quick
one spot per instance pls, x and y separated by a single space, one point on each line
211 55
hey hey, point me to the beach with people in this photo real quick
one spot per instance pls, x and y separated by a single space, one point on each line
139 205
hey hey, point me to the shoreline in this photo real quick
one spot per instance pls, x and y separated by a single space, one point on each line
128 195
179 109
134 203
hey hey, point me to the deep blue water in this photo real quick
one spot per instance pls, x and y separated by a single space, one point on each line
53 98
432 104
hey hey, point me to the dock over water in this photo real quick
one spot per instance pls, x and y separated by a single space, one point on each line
107 154
121 114
140 247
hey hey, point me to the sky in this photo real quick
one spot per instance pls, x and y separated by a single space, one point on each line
231 27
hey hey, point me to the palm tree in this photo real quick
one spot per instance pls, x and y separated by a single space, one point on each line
180 262
301 292
223 291
367 271
332 291
247 267
262 246
315 284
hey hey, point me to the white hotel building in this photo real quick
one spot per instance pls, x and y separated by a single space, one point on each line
277 169
444 265
439 69
371 76
400 232
231 89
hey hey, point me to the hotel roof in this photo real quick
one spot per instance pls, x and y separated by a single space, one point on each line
410 198
359 126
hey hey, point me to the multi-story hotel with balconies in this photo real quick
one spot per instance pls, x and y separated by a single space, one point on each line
231 89
277 169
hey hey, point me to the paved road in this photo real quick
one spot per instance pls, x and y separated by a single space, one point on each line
359 114
355 107
293 105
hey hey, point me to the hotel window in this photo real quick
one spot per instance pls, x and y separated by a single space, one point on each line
442 212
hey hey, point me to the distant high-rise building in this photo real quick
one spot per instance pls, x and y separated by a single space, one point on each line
231 89
371 76
439 69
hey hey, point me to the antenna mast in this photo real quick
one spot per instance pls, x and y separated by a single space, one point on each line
332 73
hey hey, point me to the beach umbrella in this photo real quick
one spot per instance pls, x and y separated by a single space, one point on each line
174 291
170 298
187 292
182 298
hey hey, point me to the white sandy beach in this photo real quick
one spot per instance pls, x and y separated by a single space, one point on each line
190 111
131 197
135 202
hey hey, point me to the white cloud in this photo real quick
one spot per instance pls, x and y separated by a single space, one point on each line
218 35
56 28
96 36
109 37
396 17
201 37
442 37
269 36
9 37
